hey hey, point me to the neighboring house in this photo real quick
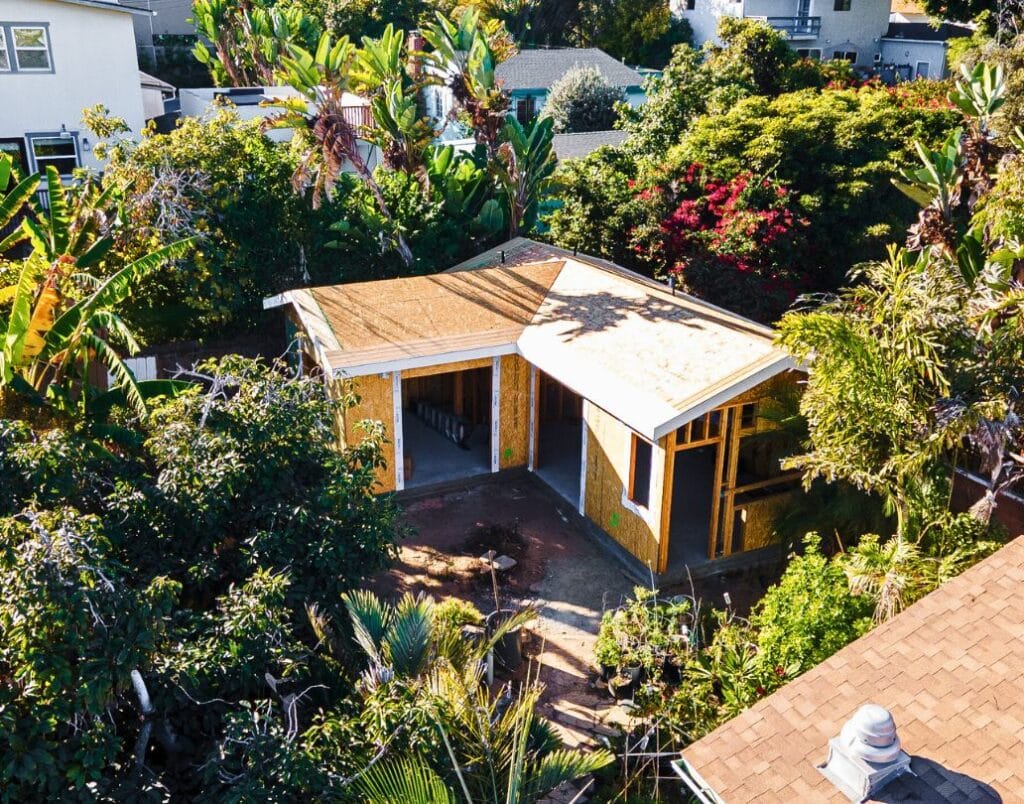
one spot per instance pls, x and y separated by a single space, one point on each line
635 404
819 29
948 671
155 94
528 77
856 30
58 57
918 49
169 23
581 144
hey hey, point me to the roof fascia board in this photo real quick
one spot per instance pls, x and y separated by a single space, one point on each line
104 6
290 298
916 41
734 389
423 361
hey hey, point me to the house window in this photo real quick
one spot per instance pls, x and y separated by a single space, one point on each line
31 48
813 53
5 56
691 5
525 109
640 472
842 5
922 69
846 55
59 149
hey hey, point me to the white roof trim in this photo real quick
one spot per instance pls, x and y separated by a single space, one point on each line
421 361
108 6
721 397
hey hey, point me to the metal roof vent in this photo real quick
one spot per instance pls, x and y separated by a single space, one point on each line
866 755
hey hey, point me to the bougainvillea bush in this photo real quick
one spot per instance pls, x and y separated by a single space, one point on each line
734 242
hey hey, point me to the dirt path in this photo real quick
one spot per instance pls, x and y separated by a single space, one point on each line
558 568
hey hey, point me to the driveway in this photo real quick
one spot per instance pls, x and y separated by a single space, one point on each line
570 578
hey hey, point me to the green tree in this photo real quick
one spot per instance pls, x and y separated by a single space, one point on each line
219 179
581 100
810 613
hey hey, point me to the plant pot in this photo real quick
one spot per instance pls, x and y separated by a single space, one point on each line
508 651
607 671
623 686
671 672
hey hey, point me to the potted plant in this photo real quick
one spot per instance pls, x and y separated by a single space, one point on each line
607 650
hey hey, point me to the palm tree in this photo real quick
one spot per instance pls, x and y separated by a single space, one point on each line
323 80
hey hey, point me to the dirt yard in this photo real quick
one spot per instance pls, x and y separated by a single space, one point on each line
559 569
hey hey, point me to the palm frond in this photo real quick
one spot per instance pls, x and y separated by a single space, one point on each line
371 619
409 781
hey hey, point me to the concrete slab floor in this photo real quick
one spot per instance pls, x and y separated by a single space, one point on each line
436 459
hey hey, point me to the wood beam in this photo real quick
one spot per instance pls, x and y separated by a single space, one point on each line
667 482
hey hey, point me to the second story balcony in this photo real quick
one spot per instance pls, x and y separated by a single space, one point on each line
796 27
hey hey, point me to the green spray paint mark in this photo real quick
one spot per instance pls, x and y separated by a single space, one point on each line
507 454
614 519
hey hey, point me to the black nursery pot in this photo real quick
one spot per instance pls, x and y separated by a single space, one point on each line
608 671
509 649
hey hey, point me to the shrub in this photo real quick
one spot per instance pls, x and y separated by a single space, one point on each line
582 100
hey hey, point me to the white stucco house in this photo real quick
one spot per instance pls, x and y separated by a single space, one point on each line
58 57
819 29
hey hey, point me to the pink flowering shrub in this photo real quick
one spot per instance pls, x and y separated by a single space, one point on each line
732 242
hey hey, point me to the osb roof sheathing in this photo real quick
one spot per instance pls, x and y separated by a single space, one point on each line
423 315
622 341
949 670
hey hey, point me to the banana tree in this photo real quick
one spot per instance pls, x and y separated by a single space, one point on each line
248 39
61 319
463 54
523 167
323 79
13 202
382 70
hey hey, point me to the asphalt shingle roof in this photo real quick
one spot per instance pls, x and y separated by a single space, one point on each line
576 146
925 32
539 69
949 670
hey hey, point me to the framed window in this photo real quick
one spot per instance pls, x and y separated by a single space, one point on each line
31 48
842 5
59 149
25 48
846 55
922 70
525 109
748 416
640 472
691 5
813 53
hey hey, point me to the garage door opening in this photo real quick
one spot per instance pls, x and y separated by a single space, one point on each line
446 426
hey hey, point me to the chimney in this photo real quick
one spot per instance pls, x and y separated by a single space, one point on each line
414 45
866 755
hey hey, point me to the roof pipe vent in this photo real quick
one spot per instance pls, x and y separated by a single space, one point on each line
866 755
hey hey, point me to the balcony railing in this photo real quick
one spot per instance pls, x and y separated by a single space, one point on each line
796 27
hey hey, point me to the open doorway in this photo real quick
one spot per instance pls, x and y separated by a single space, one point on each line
558 450
693 489
446 426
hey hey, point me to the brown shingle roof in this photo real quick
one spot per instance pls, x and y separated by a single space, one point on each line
949 668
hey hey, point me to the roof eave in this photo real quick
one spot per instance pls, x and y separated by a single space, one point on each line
422 361
757 374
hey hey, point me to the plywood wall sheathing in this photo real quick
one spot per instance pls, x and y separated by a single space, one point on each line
445 368
375 404
514 446
607 469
